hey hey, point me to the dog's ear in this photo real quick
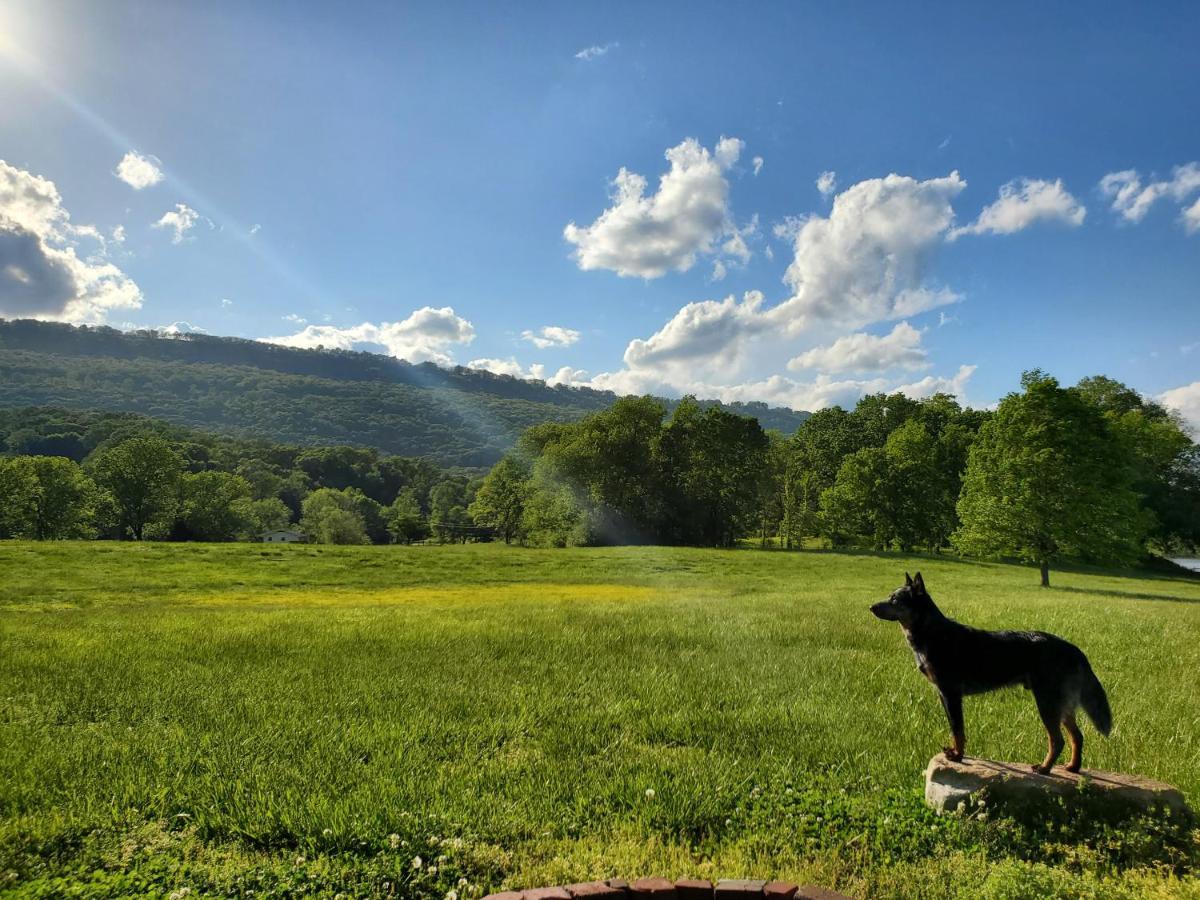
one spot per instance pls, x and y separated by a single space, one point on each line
919 582
908 578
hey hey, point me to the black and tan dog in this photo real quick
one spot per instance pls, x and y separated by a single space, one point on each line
961 660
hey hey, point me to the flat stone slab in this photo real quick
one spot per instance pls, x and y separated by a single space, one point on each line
948 785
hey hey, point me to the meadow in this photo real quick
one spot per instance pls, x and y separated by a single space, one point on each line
240 720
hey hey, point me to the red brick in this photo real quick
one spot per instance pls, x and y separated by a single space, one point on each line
693 889
548 893
505 895
739 889
812 892
652 889
619 883
595 890
779 890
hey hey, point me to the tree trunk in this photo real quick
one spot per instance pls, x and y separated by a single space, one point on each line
1045 573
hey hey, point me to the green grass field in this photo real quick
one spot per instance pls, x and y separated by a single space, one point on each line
252 721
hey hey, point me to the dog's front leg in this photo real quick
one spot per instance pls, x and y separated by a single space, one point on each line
952 703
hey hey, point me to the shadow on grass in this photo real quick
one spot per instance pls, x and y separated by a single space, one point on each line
1127 595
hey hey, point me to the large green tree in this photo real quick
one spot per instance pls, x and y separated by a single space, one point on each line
216 506
1047 480
18 489
712 463
500 501
1162 455
405 521
64 501
142 476
892 494
331 517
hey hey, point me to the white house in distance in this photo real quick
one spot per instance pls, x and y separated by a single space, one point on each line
284 536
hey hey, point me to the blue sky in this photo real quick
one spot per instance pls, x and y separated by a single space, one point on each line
401 177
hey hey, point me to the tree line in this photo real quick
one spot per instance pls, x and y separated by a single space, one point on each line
1090 473
68 474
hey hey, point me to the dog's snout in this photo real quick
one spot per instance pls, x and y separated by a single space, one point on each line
883 610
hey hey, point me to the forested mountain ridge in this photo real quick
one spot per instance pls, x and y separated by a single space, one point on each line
456 416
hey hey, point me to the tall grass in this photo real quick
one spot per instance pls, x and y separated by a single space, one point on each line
287 720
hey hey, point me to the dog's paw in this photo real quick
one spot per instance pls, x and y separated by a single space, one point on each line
1041 770
951 754
1074 770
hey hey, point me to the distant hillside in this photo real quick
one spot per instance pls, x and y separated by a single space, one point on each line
456 416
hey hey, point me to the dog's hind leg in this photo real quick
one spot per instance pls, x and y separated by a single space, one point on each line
1075 736
1050 709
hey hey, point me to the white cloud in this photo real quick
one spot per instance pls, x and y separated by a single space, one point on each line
1022 202
508 366
295 319
180 220
551 336
118 234
944 319
41 274
708 336
1191 218
255 228
425 336
758 164
779 390
718 271
570 376
226 303
646 237
827 183
179 328
735 247
587 54
565 375
789 227
866 262
139 171
1132 199
936 384
861 352
1184 400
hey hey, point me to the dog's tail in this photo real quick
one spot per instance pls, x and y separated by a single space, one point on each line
1094 701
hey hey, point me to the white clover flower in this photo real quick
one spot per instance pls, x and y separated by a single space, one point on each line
327 832
394 840
462 882
300 860
452 895
728 822
417 862
649 793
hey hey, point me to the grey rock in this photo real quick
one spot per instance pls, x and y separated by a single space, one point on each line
948 785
